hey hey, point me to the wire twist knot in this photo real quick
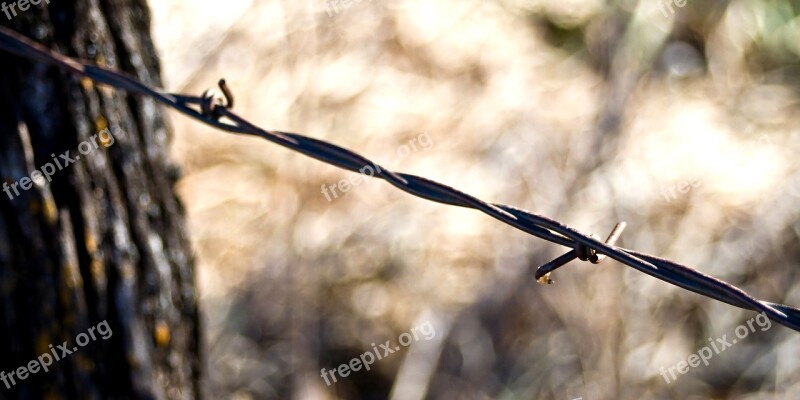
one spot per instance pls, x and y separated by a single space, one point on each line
582 252
212 100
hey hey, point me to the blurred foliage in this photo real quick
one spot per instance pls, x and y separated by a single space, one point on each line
591 112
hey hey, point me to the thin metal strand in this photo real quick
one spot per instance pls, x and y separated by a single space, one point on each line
534 224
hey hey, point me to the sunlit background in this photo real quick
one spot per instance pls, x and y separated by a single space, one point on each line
682 121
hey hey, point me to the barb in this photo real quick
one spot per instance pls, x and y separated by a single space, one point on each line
211 110
581 252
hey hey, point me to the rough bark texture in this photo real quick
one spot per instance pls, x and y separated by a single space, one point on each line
105 239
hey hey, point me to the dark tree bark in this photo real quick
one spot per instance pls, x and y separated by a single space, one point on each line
105 239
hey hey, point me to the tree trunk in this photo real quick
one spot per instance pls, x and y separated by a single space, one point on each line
94 257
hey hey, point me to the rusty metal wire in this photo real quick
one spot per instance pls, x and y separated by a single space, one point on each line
211 110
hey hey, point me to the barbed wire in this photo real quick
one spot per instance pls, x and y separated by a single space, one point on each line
213 107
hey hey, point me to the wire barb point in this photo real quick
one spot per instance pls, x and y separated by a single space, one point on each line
581 252
545 280
211 100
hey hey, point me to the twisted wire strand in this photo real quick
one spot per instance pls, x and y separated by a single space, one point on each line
586 247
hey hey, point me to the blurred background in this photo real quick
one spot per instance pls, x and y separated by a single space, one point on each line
681 119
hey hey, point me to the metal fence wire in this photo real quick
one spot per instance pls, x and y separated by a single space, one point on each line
215 110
